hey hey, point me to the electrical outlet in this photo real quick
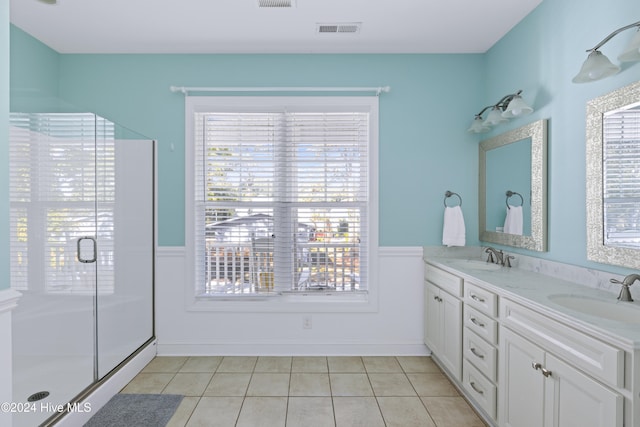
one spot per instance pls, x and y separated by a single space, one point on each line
306 322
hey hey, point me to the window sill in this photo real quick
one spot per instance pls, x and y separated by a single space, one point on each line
292 301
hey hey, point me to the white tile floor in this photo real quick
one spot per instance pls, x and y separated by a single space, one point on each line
306 391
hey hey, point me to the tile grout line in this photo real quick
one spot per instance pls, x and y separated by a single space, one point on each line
275 369
192 411
286 415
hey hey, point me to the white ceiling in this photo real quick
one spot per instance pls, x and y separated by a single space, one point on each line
240 26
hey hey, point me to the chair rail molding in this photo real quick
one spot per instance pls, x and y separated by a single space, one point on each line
8 299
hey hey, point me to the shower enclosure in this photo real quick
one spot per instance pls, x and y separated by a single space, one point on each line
82 209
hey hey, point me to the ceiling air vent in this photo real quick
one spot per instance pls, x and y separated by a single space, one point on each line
350 27
275 3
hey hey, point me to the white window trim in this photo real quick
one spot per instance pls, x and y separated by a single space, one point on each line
295 302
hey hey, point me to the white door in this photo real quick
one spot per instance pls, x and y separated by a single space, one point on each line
521 385
574 400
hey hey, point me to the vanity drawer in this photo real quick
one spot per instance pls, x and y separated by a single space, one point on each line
483 325
482 299
481 354
597 358
483 391
443 279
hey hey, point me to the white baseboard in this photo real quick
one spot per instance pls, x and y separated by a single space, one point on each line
308 349
112 386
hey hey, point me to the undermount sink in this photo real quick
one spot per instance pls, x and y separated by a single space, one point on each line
607 309
475 265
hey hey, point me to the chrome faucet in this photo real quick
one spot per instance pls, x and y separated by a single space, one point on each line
498 257
625 294
495 256
507 260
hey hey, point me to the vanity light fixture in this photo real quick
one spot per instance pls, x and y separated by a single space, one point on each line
597 66
508 107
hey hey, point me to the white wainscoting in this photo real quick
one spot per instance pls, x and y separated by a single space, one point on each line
395 327
8 300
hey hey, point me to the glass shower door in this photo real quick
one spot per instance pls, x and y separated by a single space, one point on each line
53 227
125 212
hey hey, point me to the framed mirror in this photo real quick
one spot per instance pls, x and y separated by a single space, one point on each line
613 177
513 183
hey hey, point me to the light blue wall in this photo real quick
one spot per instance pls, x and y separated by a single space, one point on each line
541 56
34 74
424 149
4 144
422 127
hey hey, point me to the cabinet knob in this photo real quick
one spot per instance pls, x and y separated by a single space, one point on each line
476 322
477 298
475 353
477 390
545 372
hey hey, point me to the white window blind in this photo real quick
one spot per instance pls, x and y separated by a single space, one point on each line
281 200
621 167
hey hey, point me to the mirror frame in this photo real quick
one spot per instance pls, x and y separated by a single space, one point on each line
537 131
596 108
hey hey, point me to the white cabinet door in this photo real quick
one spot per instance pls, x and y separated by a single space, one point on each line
537 389
432 317
574 400
521 386
443 328
451 322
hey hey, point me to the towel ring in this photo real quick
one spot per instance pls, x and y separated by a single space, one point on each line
449 194
513 193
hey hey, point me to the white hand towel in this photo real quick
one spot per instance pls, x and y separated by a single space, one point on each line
513 220
453 231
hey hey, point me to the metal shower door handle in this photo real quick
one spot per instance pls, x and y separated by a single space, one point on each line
87 252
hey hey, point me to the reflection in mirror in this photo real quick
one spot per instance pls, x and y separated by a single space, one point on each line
509 169
613 177
514 161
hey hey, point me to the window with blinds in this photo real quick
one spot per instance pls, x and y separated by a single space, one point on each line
621 168
281 199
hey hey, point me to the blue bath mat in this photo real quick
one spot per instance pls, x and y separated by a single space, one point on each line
140 410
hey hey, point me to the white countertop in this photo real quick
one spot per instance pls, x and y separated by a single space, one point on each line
534 289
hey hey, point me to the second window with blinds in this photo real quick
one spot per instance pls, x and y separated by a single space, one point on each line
621 169
281 191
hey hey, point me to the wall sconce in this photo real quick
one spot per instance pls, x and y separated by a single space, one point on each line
597 66
508 107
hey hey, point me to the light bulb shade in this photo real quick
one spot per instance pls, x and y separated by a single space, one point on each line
632 52
516 108
597 66
478 126
494 117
